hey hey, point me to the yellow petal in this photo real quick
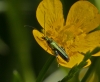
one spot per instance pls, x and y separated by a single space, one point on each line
87 42
50 15
75 59
83 16
38 37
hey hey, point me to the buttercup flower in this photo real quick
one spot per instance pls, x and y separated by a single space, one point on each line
74 34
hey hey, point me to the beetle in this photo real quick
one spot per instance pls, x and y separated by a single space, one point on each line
57 50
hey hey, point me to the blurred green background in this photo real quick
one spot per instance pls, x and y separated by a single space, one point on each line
21 58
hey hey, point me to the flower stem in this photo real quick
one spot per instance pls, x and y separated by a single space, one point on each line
44 69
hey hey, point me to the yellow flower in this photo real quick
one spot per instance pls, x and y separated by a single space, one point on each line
73 34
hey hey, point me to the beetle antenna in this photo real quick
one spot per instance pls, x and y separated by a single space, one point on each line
44 25
28 26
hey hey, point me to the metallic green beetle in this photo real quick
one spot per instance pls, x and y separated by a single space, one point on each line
56 48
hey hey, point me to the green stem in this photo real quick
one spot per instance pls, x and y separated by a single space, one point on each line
44 69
